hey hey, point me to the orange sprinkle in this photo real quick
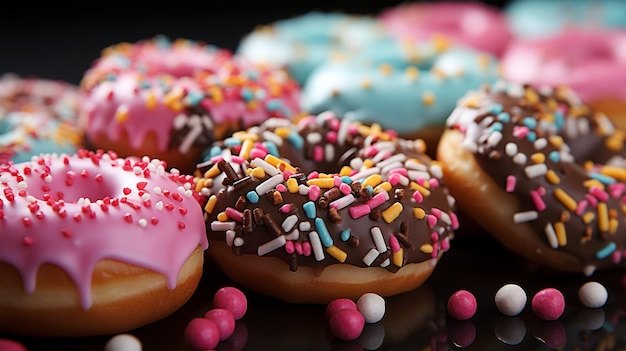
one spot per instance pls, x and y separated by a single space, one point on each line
210 205
565 199
561 234
552 177
392 212
419 213
603 217
397 257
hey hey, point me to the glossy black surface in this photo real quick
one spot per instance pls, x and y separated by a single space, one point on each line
416 320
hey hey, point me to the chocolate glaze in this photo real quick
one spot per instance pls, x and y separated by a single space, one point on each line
510 128
320 147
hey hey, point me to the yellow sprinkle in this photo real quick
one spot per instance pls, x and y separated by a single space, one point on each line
392 212
383 186
441 43
397 258
425 192
613 225
426 248
324 183
121 115
278 163
593 182
556 141
587 217
385 69
222 217
428 98
412 73
325 175
150 101
212 172
337 253
282 132
368 163
372 180
419 213
531 95
258 173
615 141
246 146
565 199
173 100
243 135
603 217
292 185
345 171
216 94
561 235
210 205
538 157
618 173
552 177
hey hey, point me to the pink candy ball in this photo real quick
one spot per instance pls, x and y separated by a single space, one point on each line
339 304
462 305
224 320
548 304
202 334
347 324
232 299
11 345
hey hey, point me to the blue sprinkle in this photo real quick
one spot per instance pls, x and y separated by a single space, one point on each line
252 74
325 237
345 234
370 189
504 117
346 179
247 94
554 156
606 251
602 178
274 104
495 108
496 127
252 196
532 136
230 142
530 122
296 140
261 94
212 152
194 98
559 120
309 209
271 148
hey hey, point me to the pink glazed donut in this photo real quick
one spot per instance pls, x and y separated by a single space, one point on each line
473 24
592 62
93 244
171 99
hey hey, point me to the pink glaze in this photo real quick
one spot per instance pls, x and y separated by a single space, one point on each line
157 86
590 62
548 304
474 24
232 299
73 211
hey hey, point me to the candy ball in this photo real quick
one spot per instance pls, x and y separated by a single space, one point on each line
232 299
346 324
122 342
372 306
339 304
548 304
11 345
462 305
593 294
202 334
511 299
224 320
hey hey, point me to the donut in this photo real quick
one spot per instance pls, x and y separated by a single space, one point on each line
37 115
302 42
474 24
528 19
591 62
408 88
325 208
542 172
94 244
170 100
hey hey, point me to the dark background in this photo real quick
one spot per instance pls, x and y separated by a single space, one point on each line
60 39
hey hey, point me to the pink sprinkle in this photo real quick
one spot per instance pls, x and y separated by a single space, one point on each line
313 175
216 159
454 220
580 208
445 244
238 159
234 214
434 182
401 171
281 188
359 211
286 208
520 131
331 137
314 192
306 248
298 248
436 212
393 242
539 203
394 178
616 190
337 181
599 193
592 200
318 153
435 252
432 220
371 151
377 200
257 153
510 183
289 247
617 257
417 196
345 188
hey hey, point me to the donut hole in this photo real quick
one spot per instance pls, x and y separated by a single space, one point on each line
70 185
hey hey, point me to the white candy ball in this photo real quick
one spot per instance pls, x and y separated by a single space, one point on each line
511 299
372 307
593 294
123 342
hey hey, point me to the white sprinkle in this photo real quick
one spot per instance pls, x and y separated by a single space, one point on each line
316 245
393 159
366 173
188 193
526 216
520 158
436 171
290 222
48 178
269 184
536 170
268 168
551 236
370 256
379 241
142 222
342 202
271 245
314 138
230 237
238 241
137 170
305 226
510 149
303 189
494 138
22 185
270 136
329 152
145 197
159 205
294 235
413 164
540 143
218 226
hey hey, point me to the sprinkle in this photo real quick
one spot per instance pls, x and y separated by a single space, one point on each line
269 184
359 211
561 235
525 216
565 199
535 170
342 202
510 183
379 241
392 212
323 232
370 256
252 197
271 245
290 222
603 217
606 251
316 245
551 236
345 234
337 253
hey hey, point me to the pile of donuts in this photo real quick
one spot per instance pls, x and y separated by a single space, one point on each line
329 156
